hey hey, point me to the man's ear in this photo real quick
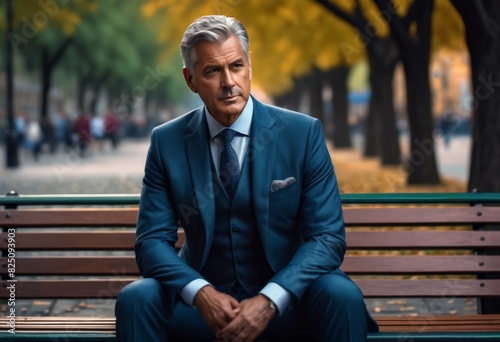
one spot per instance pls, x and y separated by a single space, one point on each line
189 79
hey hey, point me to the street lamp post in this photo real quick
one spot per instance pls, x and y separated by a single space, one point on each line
11 141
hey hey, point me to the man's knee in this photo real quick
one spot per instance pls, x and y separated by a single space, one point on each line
338 288
144 292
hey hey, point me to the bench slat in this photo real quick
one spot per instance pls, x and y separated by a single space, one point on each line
76 240
79 217
421 264
369 240
421 216
441 288
372 288
423 239
68 241
373 265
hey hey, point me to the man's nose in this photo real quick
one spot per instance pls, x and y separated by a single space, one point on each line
227 79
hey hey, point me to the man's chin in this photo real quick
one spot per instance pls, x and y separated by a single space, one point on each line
235 105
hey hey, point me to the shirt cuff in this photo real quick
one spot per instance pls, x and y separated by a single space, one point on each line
189 291
278 295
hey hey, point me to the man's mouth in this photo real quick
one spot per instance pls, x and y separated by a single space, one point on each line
227 98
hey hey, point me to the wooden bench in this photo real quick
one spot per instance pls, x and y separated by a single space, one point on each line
399 246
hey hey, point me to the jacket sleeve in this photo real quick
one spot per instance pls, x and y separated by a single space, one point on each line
319 219
157 226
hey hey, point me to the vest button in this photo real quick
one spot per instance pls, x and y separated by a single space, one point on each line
235 230
236 249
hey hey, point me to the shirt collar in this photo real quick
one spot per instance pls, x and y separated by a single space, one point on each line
241 125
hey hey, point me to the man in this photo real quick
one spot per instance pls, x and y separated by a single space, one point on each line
261 213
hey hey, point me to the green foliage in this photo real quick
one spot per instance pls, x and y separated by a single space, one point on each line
108 43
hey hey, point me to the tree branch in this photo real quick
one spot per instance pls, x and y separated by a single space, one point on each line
398 30
412 13
475 15
59 53
338 12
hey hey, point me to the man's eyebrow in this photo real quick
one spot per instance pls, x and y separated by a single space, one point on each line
210 66
238 60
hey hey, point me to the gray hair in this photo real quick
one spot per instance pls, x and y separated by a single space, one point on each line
212 28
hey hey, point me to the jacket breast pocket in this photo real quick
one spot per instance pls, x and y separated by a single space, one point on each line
284 193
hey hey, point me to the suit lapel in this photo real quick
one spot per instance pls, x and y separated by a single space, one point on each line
263 151
199 158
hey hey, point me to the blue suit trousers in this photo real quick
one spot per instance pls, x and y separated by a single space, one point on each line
332 309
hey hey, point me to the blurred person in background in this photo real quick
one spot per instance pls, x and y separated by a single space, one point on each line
111 124
33 137
81 127
97 130
20 124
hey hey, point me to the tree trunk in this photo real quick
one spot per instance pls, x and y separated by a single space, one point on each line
415 50
316 95
422 168
390 152
11 138
340 135
292 98
46 80
48 64
80 98
381 133
482 36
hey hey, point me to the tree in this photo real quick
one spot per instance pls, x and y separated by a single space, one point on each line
11 142
109 53
414 49
42 31
381 134
482 35
337 78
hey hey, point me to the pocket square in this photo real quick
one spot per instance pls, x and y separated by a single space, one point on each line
277 185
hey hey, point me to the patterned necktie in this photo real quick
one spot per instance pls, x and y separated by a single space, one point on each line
229 167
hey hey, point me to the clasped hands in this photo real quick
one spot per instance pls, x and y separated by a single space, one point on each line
231 320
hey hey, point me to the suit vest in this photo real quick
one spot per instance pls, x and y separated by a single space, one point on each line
236 254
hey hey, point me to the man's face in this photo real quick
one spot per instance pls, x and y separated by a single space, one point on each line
221 78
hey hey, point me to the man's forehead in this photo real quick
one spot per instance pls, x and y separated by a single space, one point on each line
229 49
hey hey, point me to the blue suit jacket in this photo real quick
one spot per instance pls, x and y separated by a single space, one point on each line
301 226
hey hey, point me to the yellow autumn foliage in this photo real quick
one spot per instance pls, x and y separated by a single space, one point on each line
289 38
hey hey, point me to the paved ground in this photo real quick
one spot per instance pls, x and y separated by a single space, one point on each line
113 172
103 171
